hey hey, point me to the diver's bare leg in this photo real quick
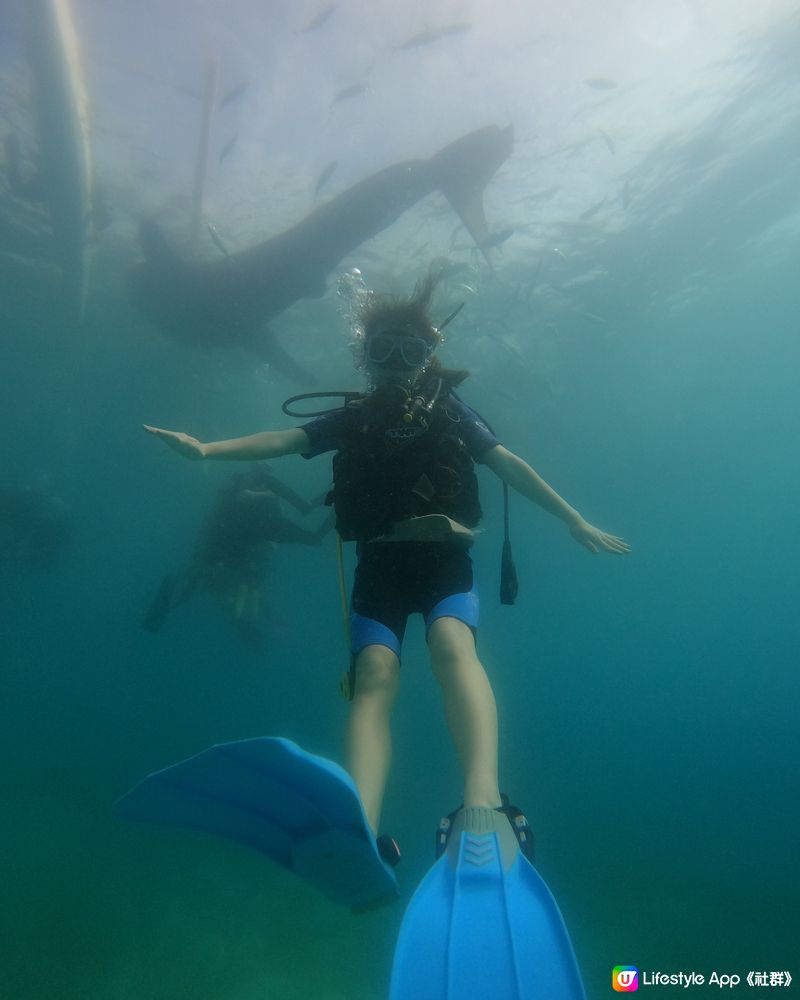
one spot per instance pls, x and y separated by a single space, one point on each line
470 708
368 739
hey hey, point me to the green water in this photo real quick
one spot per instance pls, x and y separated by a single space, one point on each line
648 705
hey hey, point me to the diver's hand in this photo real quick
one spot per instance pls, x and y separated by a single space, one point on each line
596 540
187 446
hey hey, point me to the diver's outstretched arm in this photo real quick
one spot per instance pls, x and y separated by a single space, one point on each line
525 480
267 444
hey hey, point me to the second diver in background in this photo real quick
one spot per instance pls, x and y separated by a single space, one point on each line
232 557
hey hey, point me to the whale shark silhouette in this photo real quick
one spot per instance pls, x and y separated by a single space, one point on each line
228 302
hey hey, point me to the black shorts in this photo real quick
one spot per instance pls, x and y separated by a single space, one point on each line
396 579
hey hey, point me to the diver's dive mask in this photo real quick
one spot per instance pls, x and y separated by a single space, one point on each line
397 350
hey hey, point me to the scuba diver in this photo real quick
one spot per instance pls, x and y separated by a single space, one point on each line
241 533
34 524
405 490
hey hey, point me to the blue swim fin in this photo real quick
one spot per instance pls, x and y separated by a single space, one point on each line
300 810
483 924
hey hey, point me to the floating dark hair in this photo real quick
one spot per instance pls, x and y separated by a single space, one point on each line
411 313
404 313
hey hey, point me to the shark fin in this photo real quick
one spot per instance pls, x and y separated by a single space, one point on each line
464 168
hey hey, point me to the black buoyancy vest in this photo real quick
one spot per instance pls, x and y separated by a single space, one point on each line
382 476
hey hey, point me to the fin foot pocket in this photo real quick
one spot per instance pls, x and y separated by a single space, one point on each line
514 815
482 923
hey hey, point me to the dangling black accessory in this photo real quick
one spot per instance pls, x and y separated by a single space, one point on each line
509 584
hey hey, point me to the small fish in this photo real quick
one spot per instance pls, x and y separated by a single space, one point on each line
216 239
227 148
600 83
591 211
347 93
541 195
467 288
626 194
156 614
234 94
609 142
599 320
319 19
534 282
496 239
29 188
446 268
434 35
510 349
13 151
560 253
325 176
